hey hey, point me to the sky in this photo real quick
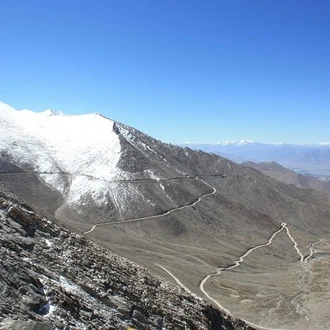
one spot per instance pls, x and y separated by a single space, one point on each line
179 71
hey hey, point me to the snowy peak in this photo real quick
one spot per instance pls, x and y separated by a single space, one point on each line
90 160
240 143
50 113
6 109
235 143
220 143
73 154
82 156
73 141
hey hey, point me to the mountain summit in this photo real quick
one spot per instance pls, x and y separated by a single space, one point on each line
255 247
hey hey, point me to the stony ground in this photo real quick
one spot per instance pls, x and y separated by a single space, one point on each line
56 279
271 288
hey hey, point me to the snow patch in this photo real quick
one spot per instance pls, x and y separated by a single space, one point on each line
76 155
152 175
48 242
71 287
58 147
163 188
60 182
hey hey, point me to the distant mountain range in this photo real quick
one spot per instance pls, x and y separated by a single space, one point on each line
285 175
254 247
303 158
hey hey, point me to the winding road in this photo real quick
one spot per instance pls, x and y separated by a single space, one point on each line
241 260
284 227
219 270
174 278
182 178
158 215
311 250
237 263
295 244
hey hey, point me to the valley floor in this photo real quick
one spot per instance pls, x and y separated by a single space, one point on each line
275 294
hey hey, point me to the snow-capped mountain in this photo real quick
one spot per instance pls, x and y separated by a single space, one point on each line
220 143
87 158
77 155
84 147
189 215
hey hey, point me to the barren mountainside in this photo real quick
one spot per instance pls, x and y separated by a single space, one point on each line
255 247
63 280
278 172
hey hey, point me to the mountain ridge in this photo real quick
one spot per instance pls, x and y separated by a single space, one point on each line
278 172
246 142
194 213
307 158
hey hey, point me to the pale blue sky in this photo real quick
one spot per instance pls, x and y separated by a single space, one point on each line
177 70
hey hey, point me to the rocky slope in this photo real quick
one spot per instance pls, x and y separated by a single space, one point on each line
280 173
63 280
181 213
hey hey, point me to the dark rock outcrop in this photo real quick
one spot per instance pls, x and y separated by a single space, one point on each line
51 278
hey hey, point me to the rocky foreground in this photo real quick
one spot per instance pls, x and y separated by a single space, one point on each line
51 278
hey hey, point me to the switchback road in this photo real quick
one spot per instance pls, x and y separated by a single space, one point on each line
102 224
219 270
